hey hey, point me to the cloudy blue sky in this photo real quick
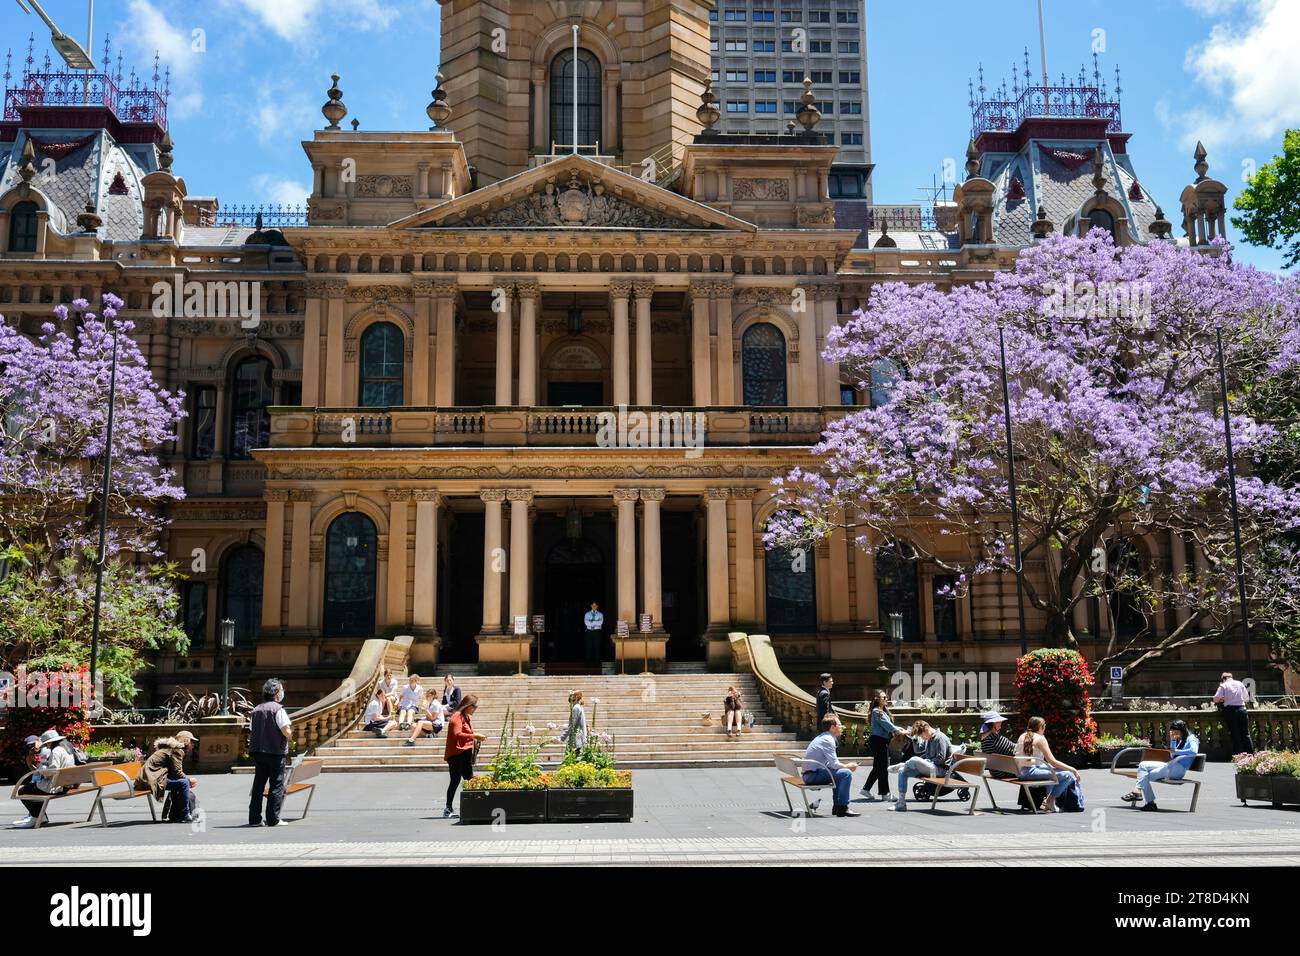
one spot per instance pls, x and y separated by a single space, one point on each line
1219 70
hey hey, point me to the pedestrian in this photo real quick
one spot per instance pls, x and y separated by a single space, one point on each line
375 721
411 699
1183 746
54 753
593 623
450 694
1231 698
931 756
269 731
462 745
576 734
734 709
824 685
164 773
883 729
1045 766
822 765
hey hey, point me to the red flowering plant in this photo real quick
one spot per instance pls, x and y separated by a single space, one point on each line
1052 683
39 701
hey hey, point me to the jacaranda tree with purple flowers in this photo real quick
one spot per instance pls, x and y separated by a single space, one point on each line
54 401
1119 438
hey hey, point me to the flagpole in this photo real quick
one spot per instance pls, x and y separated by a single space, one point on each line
1042 43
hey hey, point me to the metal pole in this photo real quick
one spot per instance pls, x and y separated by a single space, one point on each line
1236 516
90 44
575 88
103 515
1015 507
1042 44
225 696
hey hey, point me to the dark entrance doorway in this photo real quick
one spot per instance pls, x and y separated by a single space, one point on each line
680 542
461 603
574 568
575 393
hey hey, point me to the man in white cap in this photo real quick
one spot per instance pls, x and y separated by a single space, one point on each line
56 754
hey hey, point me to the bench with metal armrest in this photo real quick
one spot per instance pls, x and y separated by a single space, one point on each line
953 779
1126 761
791 767
70 781
1004 764
301 777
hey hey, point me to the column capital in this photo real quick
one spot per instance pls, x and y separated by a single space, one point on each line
301 494
520 494
644 288
425 494
718 494
653 494
743 493
701 288
275 494
626 494
324 288
398 494
445 288
528 287
493 494
620 287
722 288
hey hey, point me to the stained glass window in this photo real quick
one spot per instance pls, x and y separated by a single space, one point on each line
763 358
241 592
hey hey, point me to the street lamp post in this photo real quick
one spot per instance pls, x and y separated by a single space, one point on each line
64 45
1015 508
103 514
1232 503
227 645
896 634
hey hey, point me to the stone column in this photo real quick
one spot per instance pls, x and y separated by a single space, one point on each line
808 355
397 544
540 101
300 558
701 373
424 618
423 326
864 566
334 347
273 561
505 321
828 318
625 501
311 335
529 292
520 499
619 290
1079 613
494 566
652 557
1202 574
719 591
1178 566
743 555
839 583
645 290
726 358
444 380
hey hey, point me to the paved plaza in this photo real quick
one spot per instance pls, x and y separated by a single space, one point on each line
696 816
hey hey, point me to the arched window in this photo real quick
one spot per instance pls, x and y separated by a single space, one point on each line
897 591
763 363
241 592
885 373
382 362
350 549
1124 582
790 575
22 227
1101 219
589 83
251 396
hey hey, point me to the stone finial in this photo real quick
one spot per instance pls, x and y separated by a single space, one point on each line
27 168
165 157
1161 228
356 124
1098 171
972 161
1201 167
438 109
789 127
1042 227
809 115
886 241
334 109
88 220
707 113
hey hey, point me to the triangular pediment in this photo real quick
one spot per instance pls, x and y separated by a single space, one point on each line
573 193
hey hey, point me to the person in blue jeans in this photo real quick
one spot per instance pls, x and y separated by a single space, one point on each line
883 729
1183 747
821 765
930 756
1045 766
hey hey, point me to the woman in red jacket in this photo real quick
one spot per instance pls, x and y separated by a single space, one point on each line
461 740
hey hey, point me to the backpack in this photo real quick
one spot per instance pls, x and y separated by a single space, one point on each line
79 757
1072 800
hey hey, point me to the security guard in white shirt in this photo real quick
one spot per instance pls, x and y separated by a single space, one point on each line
594 622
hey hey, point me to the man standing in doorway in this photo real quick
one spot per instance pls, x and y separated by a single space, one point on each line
594 622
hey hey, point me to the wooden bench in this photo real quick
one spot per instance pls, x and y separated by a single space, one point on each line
298 780
74 780
1002 763
974 766
791 767
119 782
1194 775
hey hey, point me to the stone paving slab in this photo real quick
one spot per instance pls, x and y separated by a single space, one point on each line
682 816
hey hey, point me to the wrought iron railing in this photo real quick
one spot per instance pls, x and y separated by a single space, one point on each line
273 215
139 105
1053 102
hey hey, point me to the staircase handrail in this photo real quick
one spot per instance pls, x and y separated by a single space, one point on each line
327 718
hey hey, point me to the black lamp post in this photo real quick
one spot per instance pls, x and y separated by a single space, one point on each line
896 634
1015 508
103 514
227 645
1232 504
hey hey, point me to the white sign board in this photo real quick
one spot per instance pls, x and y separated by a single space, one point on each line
521 624
647 624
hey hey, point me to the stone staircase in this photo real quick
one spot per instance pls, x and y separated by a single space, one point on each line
656 722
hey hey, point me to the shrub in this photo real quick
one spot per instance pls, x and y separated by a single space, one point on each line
586 776
24 721
1267 763
1052 683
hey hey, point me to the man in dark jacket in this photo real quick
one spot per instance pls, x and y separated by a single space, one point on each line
164 772
268 745
824 698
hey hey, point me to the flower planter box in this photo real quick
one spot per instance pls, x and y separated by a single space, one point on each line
590 805
506 806
1277 789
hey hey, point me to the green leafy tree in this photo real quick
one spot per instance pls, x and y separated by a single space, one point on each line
1271 202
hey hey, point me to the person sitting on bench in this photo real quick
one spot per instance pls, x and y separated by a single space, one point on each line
34 760
164 773
431 723
931 757
375 721
822 765
1184 747
1033 744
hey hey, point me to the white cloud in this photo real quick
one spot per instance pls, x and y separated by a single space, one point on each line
295 20
150 32
1247 65
269 188
280 110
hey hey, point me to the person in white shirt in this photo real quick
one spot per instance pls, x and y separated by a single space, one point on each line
375 721
389 684
594 624
55 754
432 722
1231 698
409 706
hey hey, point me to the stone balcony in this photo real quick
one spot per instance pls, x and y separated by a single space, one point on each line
537 426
